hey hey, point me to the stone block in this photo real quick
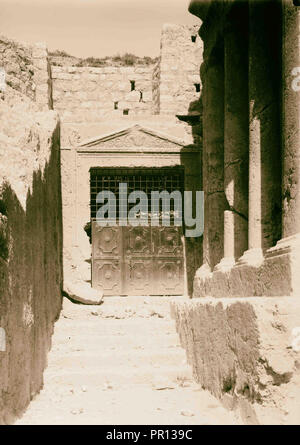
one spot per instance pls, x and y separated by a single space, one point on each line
246 348
126 70
90 76
147 96
39 50
72 69
41 64
110 70
142 70
42 90
41 77
96 70
276 275
63 76
133 96
82 292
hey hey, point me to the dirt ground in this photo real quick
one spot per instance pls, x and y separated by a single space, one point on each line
120 363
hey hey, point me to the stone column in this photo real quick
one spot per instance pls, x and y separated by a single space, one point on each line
255 252
212 74
286 254
291 119
235 141
264 130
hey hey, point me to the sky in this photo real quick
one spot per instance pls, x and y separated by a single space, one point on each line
95 28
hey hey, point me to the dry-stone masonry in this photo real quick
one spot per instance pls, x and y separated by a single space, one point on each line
90 94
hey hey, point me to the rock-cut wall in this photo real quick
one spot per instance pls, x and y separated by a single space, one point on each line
246 352
30 247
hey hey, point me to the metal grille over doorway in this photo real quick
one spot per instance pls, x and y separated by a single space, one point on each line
144 179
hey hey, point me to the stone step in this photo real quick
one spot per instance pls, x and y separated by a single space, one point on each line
121 375
125 370
109 358
140 307
98 406
115 327
125 302
65 341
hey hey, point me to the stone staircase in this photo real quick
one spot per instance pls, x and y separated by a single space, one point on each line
120 363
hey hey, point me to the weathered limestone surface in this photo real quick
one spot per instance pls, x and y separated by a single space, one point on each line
272 278
30 247
27 70
264 124
180 58
82 292
236 139
90 94
212 74
242 349
246 352
291 121
243 220
42 76
155 87
17 61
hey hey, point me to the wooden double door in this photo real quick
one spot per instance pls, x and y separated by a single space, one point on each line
137 260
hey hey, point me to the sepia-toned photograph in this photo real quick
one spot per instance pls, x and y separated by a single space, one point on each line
150 215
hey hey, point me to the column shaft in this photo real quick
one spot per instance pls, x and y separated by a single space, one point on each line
264 125
213 155
236 137
291 119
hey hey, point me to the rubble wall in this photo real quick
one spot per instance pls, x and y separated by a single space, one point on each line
27 70
17 61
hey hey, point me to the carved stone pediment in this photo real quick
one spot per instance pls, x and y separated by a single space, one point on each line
135 138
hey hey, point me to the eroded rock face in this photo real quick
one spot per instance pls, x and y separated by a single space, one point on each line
30 247
245 353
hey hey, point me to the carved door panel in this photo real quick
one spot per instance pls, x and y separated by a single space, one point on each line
168 270
106 259
137 260
167 241
139 276
106 275
168 276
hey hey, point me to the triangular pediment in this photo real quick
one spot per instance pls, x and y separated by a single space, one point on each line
135 137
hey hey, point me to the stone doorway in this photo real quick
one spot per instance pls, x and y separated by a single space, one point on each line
138 260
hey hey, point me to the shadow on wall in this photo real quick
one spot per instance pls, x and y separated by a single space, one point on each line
30 284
